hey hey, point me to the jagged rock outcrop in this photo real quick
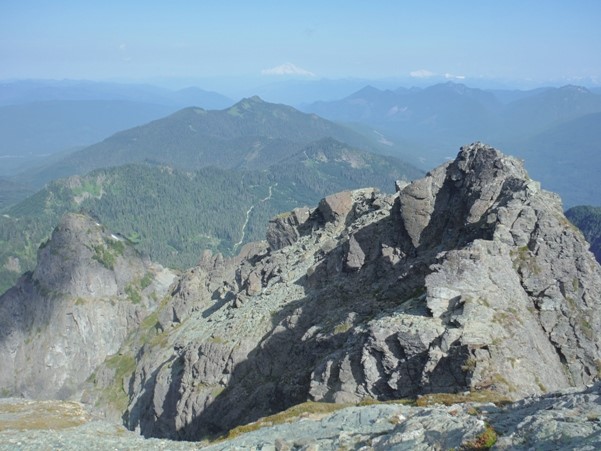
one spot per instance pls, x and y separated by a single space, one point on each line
468 279
89 290
287 228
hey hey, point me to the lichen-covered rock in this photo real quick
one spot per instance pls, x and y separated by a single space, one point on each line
568 419
467 279
89 290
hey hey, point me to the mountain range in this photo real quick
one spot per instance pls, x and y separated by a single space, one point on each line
195 278
467 284
43 117
42 128
415 124
452 109
195 180
251 134
554 129
23 92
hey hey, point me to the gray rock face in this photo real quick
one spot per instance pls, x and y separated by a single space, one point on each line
88 291
468 279
287 228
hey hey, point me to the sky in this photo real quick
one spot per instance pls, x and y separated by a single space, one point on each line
536 41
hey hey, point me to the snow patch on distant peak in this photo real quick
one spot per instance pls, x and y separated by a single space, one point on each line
287 69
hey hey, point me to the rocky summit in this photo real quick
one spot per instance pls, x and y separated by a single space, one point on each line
88 291
469 281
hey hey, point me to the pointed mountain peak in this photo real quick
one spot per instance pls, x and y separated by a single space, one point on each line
575 89
367 90
255 99
247 103
83 259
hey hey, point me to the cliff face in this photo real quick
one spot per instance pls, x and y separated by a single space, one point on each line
468 279
88 291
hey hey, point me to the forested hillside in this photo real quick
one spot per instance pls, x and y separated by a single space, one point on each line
173 215
251 134
567 159
11 192
42 118
555 130
588 220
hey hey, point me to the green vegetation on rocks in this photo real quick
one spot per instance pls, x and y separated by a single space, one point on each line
172 216
31 415
294 412
485 440
115 394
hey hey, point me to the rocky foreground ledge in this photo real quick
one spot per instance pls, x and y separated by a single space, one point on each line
469 279
568 419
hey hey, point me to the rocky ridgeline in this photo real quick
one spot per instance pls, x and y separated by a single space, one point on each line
88 291
467 280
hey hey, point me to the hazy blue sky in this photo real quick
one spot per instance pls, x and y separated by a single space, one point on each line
525 39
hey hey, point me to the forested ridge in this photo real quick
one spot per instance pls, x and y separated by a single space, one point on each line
187 182
251 134
588 220
172 215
